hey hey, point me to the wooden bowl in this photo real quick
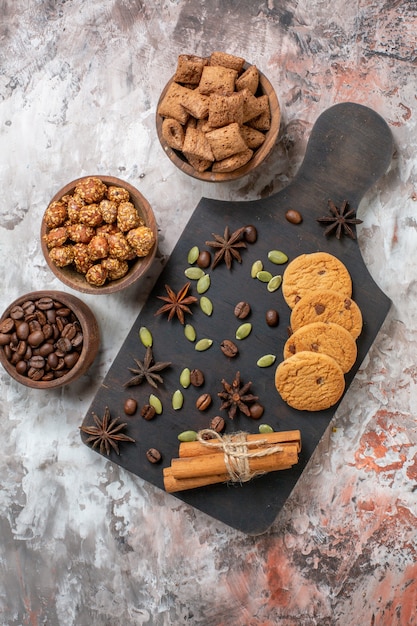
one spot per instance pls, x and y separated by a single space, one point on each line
87 349
265 88
137 267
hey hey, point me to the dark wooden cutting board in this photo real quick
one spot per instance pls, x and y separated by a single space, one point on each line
350 148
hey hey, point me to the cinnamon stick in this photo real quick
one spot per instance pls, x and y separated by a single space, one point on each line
174 485
215 464
195 448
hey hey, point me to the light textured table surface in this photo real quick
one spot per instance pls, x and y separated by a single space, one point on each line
82 542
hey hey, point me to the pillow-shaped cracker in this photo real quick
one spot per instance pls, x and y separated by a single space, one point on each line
196 104
233 162
189 69
263 121
225 109
254 138
173 133
252 106
248 80
201 165
171 105
197 145
226 141
217 78
227 60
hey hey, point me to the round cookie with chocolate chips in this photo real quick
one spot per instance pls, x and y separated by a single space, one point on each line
327 306
325 337
318 270
310 381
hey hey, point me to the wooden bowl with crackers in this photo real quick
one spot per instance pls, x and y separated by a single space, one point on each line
218 118
99 234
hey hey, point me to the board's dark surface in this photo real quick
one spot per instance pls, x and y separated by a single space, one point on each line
349 149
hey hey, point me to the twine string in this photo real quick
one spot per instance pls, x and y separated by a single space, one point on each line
238 452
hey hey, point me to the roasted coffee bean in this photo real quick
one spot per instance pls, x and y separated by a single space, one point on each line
293 216
256 410
229 348
153 455
21 348
38 362
45 349
7 325
196 378
203 402
44 303
63 311
272 317
204 259
34 325
4 339
41 317
47 331
250 234
17 313
242 310
70 359
148 412
22 330
64 344
36 338
217 424
21 367
130 406
28 307
35 373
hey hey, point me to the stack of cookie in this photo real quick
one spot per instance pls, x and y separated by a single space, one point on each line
325 324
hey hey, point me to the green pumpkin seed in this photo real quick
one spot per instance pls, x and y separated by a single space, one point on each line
243 331
277 257
203 283
274 283
203 344
177 400
265 428
266 360
156 403
188 435
185 377
145 336
206 305
189 332
264 276
194 273
257 267
193 255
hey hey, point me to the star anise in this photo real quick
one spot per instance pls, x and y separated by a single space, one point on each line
236 397
106 433
340 220
177 303
227 247
147 370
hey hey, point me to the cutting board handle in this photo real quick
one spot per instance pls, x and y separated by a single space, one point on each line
349 149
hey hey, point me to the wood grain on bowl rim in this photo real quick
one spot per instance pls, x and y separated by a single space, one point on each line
259 155
138 267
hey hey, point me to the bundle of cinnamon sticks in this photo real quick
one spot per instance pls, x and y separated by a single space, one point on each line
207 462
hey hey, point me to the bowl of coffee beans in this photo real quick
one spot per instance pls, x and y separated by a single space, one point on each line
99 234
48 339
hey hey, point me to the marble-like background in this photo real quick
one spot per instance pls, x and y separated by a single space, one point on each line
82 542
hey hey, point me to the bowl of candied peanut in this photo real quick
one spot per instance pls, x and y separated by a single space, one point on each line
218 118
99 234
